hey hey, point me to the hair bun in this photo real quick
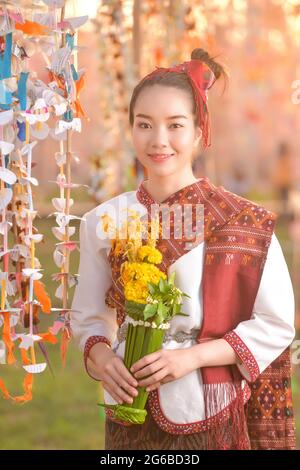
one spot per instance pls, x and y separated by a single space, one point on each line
200 54
204 56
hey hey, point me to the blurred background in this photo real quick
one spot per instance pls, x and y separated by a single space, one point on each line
255 152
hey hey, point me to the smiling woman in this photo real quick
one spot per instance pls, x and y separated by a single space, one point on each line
234 339
166 139
164 142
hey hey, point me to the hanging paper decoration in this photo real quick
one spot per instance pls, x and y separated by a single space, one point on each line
109 175
126 55
26 105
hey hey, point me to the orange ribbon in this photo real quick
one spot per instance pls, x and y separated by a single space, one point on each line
27 386
79 84
32 28
42 296
25 358
48 337
4 390
7 338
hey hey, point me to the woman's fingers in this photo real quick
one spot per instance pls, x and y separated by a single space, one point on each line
125 379
154 378
126 375
116 391
112 392
118 365
156 385
149 370
132 391
152 387
120 380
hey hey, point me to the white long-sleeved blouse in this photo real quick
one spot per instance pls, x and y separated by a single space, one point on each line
268 332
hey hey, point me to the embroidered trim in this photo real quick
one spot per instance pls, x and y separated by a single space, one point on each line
198 426
244 353
239 248
232 229
91 341
271 422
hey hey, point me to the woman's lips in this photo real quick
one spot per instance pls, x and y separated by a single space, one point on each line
160 157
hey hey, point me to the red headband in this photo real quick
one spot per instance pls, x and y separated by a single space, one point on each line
202 78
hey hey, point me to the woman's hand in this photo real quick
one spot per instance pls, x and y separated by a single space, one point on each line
163 366
111 370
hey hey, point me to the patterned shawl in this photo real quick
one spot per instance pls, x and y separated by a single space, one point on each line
237 233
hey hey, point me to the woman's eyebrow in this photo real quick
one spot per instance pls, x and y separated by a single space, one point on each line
170 117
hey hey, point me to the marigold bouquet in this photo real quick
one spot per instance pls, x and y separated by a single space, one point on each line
151 301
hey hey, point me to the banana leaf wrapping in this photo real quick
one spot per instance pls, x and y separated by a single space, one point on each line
140 341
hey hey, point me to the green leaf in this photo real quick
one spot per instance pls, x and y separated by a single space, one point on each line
151 287
172 278
162 285
177 308
134 309
162 312
149 311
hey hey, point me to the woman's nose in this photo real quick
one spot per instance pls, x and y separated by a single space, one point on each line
159 138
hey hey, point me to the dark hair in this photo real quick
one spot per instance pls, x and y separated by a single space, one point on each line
178 80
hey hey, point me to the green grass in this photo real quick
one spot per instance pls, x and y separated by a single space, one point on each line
63 413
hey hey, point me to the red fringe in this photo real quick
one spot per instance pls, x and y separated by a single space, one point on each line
217 435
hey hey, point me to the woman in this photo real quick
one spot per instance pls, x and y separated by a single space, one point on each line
241 308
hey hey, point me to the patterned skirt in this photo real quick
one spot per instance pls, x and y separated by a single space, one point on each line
149 436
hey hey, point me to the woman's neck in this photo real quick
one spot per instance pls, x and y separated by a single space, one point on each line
161 187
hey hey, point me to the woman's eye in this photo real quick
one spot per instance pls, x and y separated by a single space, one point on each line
141 124
179 125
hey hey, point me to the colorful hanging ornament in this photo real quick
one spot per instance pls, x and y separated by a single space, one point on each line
26 105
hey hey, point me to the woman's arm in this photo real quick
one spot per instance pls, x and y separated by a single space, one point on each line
270 330
166 365
92 321
255 343
91 316
213 353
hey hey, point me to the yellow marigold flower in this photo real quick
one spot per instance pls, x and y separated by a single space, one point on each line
136 291
141 272
152 255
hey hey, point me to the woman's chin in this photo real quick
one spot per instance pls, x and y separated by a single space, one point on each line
161 171
164 168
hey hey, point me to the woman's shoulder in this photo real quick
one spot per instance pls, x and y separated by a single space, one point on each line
115 203
247 204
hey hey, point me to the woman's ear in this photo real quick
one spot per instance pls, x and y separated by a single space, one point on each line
198 136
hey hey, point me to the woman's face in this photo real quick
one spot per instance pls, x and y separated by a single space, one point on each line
163 131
